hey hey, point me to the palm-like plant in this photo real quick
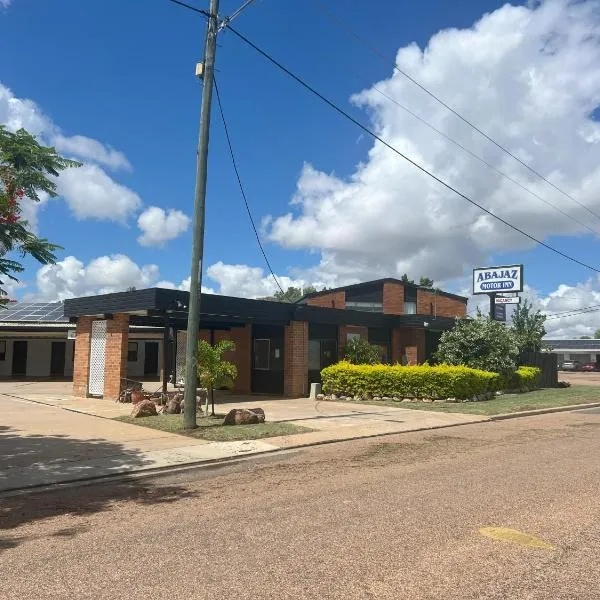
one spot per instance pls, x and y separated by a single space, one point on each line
213 371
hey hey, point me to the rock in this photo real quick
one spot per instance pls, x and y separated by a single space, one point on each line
357 398
243 416
137 396
334 397
428 400
451 400
440 400
499 393
407 400
376 398
320 396
173 406
260 412
145 408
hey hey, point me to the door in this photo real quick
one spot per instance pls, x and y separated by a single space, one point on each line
57 359
151 358
19 359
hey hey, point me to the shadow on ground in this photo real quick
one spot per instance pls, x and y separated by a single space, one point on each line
56 458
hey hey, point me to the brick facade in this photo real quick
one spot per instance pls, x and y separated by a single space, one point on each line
344 330
241 357
408 345
115 365
393 298
81 360
333 300
430 303
296 360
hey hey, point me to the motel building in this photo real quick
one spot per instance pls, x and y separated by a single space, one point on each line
101 341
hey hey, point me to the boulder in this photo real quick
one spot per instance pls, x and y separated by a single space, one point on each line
244 416
173 406
137 396
145 408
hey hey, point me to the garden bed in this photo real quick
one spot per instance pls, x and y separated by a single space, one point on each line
212 428
506 403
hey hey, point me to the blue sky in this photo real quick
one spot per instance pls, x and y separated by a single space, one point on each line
122 73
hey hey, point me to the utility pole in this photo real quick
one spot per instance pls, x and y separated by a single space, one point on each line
492 307
191 352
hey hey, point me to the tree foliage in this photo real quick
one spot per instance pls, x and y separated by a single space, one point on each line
426 282
359 352
597 334
27 170
213 371
480 344
528 327
293 294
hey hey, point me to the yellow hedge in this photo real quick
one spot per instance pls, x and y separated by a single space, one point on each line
524 378
424 381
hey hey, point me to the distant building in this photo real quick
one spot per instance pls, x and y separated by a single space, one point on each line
584 351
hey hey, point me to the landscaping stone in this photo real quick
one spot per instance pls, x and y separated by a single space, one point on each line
173 406
320 396
243 416
145 408
407 400
451 400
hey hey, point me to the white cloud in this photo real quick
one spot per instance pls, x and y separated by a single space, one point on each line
70 277
89 191
247 282
529 77
89 149
183 286
92 194
5 3
158 226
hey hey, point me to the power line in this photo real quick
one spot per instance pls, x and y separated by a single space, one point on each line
343 25
239 180
572 313
395 150
482 160
194 8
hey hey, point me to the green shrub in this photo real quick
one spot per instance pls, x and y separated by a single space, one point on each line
425 381
524 378
360 352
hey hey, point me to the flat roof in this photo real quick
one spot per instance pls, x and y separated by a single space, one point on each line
382 281
576 345
157 306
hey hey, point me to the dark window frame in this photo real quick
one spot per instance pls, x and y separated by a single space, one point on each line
256 355
2 350
132 352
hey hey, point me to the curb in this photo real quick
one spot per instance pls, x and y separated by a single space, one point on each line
543 411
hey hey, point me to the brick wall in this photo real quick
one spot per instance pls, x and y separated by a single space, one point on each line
344 330
429 303
408 343
241 357
115 366
295 383
393 298
81 365
333 300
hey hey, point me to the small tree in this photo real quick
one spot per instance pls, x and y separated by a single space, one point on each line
426 282
293 294
360 352
213 371
405 279
597 334
528 327
27 169
481 344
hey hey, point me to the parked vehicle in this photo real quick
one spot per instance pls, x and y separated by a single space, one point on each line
589 367
571 365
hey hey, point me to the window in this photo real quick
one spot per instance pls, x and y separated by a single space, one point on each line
314 355
352 336
132 352
3 350
262 354
410 308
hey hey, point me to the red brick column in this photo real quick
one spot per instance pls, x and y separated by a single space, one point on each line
397 346
115 366
295 375
393 298
241 357
81 361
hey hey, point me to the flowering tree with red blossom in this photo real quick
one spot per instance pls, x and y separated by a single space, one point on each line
27 170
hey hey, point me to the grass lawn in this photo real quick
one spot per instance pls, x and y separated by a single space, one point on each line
211 428
509 403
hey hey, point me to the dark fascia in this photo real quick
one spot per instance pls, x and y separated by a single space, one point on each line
382 281
228 309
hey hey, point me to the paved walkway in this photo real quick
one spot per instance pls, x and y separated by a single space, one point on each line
47 436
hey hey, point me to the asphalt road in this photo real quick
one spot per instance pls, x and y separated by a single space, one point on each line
395 517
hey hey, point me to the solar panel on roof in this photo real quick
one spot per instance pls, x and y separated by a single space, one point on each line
34 311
